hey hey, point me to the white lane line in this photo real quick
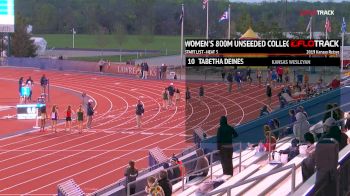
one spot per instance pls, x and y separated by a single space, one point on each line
147 133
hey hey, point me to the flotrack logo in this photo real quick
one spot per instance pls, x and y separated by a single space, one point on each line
317 12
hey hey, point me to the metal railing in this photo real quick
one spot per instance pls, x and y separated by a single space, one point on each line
142 172
228 189
184 176
291 125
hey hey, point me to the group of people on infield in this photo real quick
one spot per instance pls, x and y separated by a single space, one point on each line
79 114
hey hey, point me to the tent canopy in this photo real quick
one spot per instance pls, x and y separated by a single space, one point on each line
249 34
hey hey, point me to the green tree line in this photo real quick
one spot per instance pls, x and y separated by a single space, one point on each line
161 17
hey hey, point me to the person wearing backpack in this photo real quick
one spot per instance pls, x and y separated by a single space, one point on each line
139 113
90 114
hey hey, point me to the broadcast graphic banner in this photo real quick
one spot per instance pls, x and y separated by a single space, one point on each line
263 52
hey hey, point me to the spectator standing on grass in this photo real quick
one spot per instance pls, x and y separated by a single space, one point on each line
152 187
131 174
165 97
224 145
54 118
80 118
101 63
139 113
90 113
165 183
43 117
43 83
142 69
230 81
268 94
163 70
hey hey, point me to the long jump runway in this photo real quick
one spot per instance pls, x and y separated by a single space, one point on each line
34 163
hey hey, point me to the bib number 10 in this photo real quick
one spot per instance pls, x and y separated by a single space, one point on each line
191 61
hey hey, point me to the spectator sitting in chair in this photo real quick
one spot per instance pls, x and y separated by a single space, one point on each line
335 83
175 172
292 151
308 164
202 165
332 131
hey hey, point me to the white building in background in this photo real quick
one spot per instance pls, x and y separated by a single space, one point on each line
41 44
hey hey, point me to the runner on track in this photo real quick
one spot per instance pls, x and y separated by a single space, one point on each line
139 113
177 96
188 94
80 118
201 93
43 118
171 91
90 113
165 98
268 94
68 118
259 76
54 118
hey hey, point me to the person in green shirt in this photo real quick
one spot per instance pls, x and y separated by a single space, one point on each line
80 118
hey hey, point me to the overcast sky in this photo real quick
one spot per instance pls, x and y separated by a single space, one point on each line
255 1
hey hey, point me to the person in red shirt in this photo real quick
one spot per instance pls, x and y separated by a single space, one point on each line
335 83
280 74
269 144
68 118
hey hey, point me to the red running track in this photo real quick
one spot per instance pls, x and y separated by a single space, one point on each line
34 163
